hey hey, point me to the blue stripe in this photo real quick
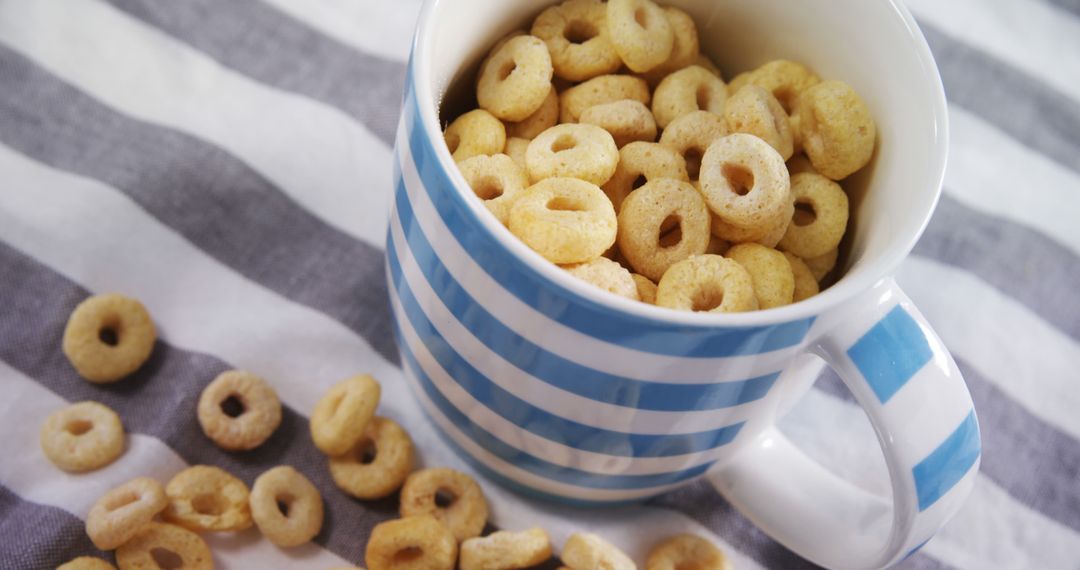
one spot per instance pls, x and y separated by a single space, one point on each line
891 352
943 468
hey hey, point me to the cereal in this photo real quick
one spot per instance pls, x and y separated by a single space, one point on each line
660 224
119 514
640 162
770 272
411 543
497 180
467 511
342 414
744 180
378 464
707 283
86 563
820 218
646 289
806 285
207 498
82 437
506 550
286 507
515 149
515 79
691 134
821 265
786 80
108 337
576 34
585 551
768 234
684 50
755 111
545 117
738 82
703 60
641 33
156 539
600 90
566 220
607 275
690 89
577 151
686 551
475 132
239 410
835 129
627 121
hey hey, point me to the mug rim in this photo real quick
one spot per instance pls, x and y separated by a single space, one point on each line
847 288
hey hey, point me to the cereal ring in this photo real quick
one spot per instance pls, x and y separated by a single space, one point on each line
640 32
646 289
86 563
108 337
542 119
466 511
585 551
770 272
821 265
82 437
515 149
685 50
576 151
627 121
821 216
506 550
600 90
690 89
768 234
207 498
239 410
786 80
753 110
566 220
342 414
411 543
663 222
744 181
496 180
378 464
835 129
576 34
806 285
123 511
691 134
707 283
515 79
799 163
156 539
607 275
475 132
686 551
286 507
640 162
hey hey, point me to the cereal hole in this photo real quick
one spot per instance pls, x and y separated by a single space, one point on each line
784 96
166 559
209 504
580 31
704 93
284 503
489 188
564 142
109 336
232 406
408 554
562 203
693 161
639 182
739 178
671 231
444 498
507 69
707 299
641 16
804 214
79 427
121 501
367 451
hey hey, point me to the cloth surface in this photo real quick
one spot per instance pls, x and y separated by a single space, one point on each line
229 164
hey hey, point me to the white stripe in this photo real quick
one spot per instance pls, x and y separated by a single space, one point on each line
372 26
317 155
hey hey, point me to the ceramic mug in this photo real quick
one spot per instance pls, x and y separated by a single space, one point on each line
556 388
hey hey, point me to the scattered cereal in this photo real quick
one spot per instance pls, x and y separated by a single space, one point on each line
286 507
378 464
342 414
154 539
86 563
506 550
465 511
585 551
108 337
684 551
120 513
82 437
239 410
207 498
411 543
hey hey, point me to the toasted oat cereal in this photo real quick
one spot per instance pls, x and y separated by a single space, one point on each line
108 337
585 551
154 539
684 551
646 288
576 34
690 89
707 283
627 121
685 50
768 234
744 181
806 285
703 60
738 82
835 129
82 437
342 414
586 152
506 550
286 507
123 511
770 272
378 464
515 149
607 275
691 134
497 180
599 90
86 563
515 79
662 223
239 410
207 498
475 132
566 220
821 265
820 218
411 543
467 511
786 80
641 33
545 117
640 162
755 111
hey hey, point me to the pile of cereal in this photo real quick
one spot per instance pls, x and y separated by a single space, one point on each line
611 146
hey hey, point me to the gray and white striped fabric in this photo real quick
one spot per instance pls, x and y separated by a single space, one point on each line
228 163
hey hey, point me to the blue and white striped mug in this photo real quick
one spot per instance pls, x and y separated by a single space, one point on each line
561 390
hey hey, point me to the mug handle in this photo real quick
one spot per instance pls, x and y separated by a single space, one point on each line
897 369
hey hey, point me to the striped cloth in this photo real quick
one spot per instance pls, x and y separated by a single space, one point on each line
228 163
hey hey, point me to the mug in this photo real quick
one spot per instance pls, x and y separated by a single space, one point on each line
561 390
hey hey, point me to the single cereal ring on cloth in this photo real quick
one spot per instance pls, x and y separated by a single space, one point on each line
691 135
772 276
566 220
156 539
239 410
506 550
411 543
646 289
627 121
108 337
342 414
120 513
786 80
707 283
640 162
475 132
207 498
286 507
686 551
768 234
515 149
755 111
607 275
690 89
586 152
586 551
82 437
467 511
685 50
545 117
378 464
821 216
822 265
576 34
641 33
600 90
660 224
835 129
497 180
799 163
806 285
515 79
744 181
86 563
